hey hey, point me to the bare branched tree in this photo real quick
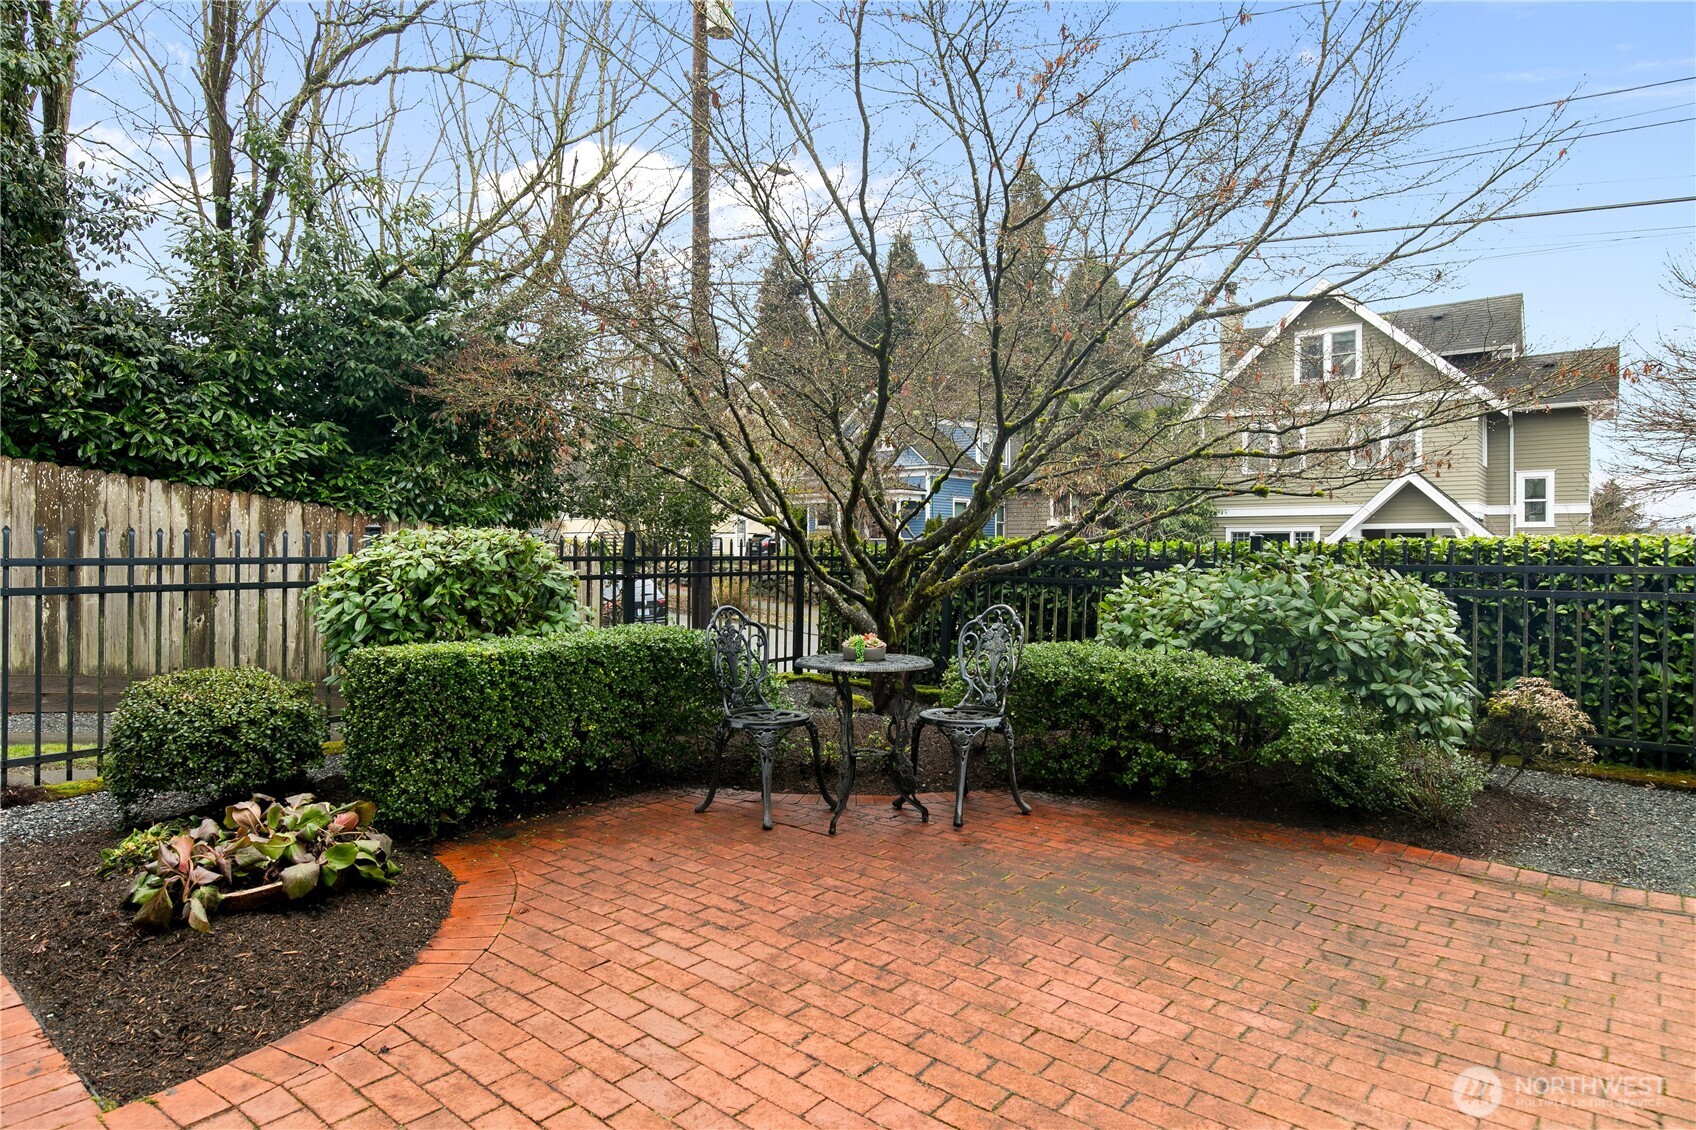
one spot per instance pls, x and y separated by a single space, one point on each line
1091 204
1656 425
523 99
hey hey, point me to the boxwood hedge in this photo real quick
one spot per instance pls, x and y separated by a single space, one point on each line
1090 717
440 731
214 730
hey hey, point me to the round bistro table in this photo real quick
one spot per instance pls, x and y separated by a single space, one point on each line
842 672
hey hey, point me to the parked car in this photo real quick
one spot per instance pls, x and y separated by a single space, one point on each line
764 545
650 605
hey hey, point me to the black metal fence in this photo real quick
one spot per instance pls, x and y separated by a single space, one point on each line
1611 623
79 623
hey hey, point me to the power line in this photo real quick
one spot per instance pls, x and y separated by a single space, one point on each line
1466 223
1564 101
1568 140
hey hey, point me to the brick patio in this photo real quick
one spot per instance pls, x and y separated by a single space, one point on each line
1095 964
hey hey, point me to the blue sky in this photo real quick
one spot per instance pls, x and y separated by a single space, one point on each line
1588 279
1595 278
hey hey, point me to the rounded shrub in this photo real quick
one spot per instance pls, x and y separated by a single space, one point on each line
214 730
1388 639
444 586
1531 718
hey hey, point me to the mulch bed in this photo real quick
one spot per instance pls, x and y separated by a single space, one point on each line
135 1012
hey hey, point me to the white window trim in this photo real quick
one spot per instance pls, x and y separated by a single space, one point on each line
1519 499
1232 531
1271 447
958 506
1325 360
1483 441
1385 439
1359 441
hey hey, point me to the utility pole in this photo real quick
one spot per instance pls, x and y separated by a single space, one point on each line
712 19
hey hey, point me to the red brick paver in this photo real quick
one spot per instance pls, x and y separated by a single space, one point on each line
1095 964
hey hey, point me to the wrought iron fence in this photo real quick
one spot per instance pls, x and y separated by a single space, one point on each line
83 617
80 623
1611 623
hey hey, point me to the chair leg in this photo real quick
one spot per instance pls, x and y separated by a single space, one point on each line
961 738
766 742
918 724
818 765
722 736
1013 769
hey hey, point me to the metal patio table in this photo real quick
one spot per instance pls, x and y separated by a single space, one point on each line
842 671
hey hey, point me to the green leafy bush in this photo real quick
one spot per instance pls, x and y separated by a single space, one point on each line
1340 752
265 851
431 586
1532 719
1088 716
439 731
215 730
1388 639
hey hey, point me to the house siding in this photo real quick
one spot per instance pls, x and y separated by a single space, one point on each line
1027 515
1452 452
1410 507
1557 440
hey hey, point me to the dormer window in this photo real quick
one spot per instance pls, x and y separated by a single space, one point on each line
1332 354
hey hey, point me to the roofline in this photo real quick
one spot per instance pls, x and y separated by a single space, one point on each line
1450 507
1323 289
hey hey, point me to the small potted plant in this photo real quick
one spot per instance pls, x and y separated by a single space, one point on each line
865 648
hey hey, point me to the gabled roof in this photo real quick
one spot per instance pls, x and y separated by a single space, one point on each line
1578 376
1322 289
1416 481
1477 325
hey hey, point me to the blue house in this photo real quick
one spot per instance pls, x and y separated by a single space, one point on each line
936 480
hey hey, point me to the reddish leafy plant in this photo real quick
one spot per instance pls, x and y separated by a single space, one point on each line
264 850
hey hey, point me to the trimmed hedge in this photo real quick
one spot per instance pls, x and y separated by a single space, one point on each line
1608 620
216 730
1088 717
440 731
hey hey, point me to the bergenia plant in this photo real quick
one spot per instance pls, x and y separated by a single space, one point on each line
297 845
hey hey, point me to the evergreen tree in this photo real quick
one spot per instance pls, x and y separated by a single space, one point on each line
1614 511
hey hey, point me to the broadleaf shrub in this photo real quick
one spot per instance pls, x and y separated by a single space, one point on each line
1532 719
213 730
1388 639
440 731
264 851
1088 716
431 586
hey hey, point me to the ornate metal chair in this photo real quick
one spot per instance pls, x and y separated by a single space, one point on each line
988 651
738 647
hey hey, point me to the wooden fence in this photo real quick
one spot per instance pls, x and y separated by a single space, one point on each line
127 576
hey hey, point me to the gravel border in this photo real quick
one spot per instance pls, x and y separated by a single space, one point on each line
1612 831
55 819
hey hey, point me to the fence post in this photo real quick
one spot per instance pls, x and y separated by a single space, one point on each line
627 586
701 586
797 583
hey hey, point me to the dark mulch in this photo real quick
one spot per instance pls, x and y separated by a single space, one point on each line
16 796
135 1013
